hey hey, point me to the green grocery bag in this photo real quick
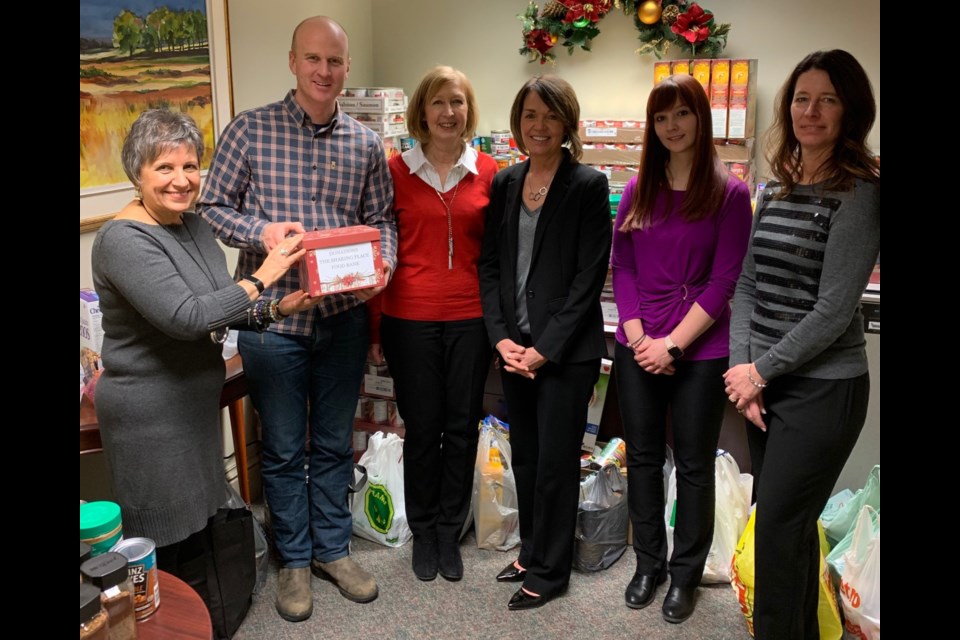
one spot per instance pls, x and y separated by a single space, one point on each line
838 523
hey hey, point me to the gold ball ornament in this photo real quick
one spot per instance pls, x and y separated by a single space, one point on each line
649 12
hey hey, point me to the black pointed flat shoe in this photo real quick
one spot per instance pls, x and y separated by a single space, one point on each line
522 600
679 603
511 574
642 590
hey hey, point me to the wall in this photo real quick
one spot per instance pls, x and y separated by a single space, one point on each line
260 41
611 81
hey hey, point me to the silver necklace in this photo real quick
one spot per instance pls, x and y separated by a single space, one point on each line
536 195
449 221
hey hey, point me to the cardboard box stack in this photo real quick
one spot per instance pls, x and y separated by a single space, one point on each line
731 86
382 109
613 147
732 90
376 407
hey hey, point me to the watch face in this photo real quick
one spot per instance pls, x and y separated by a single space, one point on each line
676 352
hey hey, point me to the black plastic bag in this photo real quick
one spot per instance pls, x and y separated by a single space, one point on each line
601 534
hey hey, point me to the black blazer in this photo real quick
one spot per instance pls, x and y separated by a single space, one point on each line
571 253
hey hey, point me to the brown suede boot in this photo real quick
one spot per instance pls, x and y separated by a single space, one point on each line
294 599
353 581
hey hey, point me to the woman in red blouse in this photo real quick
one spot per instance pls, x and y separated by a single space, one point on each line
432 330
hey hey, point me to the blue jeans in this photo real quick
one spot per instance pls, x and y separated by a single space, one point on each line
315 380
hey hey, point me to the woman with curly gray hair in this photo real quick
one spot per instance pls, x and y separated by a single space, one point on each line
167 299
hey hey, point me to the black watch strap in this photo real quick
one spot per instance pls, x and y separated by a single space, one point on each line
675 352
255 281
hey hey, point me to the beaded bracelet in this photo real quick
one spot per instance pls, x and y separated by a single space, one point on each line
753 381
274 310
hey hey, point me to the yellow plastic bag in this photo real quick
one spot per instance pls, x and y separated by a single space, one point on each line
744 579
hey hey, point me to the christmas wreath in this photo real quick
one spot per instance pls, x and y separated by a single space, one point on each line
661 24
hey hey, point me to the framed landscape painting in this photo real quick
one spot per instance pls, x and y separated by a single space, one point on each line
144 54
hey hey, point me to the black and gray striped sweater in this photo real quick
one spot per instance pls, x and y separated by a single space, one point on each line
796 309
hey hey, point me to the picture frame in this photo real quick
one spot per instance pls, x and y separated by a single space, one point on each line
99 205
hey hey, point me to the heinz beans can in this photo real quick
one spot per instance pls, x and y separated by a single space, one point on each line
141 555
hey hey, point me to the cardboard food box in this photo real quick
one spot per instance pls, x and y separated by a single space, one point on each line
701 73
612 154
595 408
743 99
373 105
341 260
91 333
612 131
719 96
680 68
735 150
661 71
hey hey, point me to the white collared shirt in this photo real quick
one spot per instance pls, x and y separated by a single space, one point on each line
418 163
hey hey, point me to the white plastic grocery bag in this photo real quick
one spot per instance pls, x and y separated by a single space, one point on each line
378 508
860 581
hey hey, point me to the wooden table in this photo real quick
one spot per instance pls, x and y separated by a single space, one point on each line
182 614
235 387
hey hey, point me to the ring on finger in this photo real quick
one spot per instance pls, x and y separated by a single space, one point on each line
284 252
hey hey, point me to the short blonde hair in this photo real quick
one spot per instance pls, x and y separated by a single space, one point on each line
429 86
560 98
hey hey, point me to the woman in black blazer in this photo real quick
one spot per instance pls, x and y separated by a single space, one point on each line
545 255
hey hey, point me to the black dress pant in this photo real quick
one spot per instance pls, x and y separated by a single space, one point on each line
439 371
547 416
694 396
812 426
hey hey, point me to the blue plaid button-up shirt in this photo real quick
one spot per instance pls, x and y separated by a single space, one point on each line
273 164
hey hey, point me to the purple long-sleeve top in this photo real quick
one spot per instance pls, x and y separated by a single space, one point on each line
660 271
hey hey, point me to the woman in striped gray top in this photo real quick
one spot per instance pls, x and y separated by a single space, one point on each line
797 350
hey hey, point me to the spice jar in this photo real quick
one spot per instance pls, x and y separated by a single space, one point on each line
108 571
85 553
93 619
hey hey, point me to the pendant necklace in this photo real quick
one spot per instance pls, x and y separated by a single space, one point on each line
449 221
536 195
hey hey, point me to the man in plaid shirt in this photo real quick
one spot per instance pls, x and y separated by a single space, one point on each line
293 166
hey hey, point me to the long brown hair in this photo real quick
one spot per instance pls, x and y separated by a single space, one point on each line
708 177
850 158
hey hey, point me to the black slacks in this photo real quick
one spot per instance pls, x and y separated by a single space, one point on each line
694 396
439 370
812 426
547 416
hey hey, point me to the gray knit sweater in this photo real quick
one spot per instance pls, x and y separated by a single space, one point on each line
162 290
796 309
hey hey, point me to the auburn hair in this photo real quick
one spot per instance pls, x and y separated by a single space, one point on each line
708 177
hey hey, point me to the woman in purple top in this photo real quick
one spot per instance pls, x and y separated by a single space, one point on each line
680 237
